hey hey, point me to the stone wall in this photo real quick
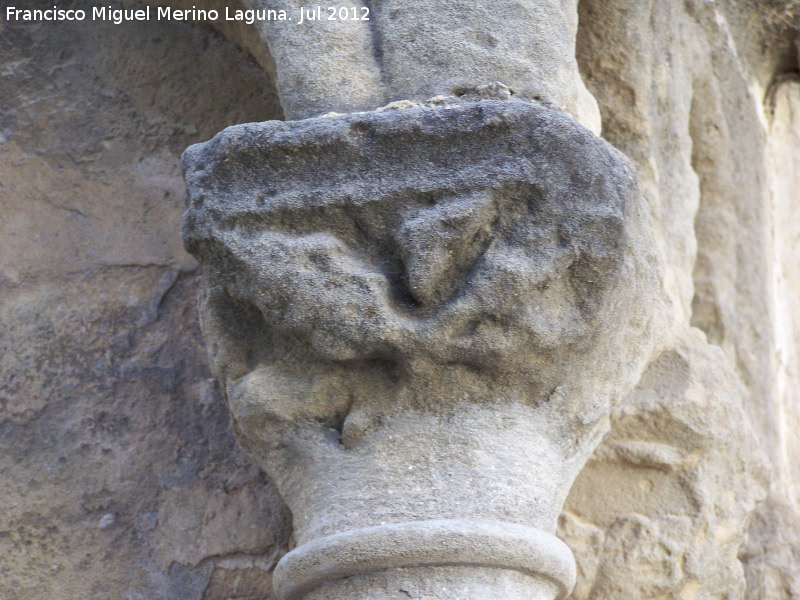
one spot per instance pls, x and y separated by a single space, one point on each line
120 477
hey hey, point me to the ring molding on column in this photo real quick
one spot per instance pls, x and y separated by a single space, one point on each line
434 543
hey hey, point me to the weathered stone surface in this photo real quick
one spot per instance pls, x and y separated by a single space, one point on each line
680 86
431 323
106 453
242 33
449 238
325 64
412 50
685 479
113 436
771 555
431 48
783 150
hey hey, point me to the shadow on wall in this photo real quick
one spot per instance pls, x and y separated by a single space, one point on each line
120 477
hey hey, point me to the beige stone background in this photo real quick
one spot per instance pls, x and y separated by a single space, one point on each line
119 478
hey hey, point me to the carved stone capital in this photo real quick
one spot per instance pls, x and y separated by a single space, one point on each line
420 318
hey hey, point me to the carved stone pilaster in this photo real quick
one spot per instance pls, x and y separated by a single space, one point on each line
420 318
